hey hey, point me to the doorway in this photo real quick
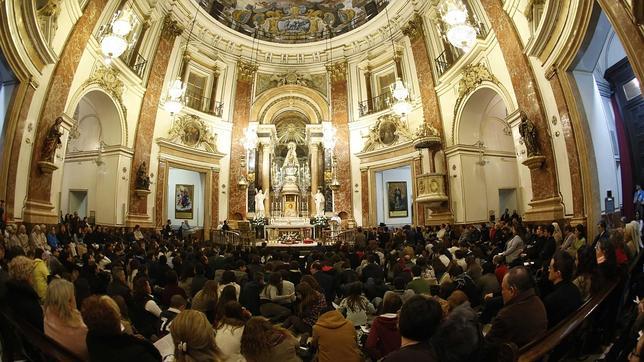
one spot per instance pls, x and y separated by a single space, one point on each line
78 202
507 200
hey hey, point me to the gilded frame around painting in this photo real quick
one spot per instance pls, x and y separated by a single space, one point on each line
398 206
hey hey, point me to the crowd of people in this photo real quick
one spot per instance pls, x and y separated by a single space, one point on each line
438 293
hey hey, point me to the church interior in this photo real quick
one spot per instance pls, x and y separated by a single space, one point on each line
330 180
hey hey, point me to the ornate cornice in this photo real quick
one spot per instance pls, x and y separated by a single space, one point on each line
192 131
473 76
171 27
246 70
337 71
388 131
414 29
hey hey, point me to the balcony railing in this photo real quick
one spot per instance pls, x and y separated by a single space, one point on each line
138 65
451 55
204 104
376 104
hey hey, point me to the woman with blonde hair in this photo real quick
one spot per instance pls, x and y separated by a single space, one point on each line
63 322
557 234
193 337
632 238
24 301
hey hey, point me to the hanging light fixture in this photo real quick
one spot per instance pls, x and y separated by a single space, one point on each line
459 31
114 35
401 105
176 93
250 139
329 136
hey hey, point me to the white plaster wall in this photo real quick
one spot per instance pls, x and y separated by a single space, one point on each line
177 176
382 204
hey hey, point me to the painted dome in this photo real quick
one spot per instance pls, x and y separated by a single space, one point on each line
293 21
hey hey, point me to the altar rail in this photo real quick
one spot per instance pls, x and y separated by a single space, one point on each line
346 236
562 334
222 237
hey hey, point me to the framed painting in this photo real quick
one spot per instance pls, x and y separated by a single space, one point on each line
183 202
397 199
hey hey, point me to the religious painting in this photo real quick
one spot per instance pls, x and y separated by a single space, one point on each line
183 203
387 132
397 199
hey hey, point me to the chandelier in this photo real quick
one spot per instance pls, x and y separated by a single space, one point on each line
401 105
114 35
459 31
329 136
250 139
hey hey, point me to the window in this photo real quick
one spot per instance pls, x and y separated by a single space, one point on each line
195 92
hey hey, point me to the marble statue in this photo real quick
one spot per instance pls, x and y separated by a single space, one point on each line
319 203
291 170
52 141
259 203
142 177
528 132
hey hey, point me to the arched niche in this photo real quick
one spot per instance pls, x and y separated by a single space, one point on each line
484 171
290 97
99 117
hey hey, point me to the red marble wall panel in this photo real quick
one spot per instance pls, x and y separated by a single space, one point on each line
340 118
425 75
12 171
148 115
237 196
57 94
544 179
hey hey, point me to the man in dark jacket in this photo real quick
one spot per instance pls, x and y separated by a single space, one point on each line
523 318
549 246
565 297
372 270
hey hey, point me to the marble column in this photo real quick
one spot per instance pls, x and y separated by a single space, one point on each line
364 179
431 108
569 136
315 168
39 207
160 200
367 81
138 210
340 118
546 202
237 197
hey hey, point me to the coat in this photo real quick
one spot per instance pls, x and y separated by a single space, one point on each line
122 347
384 336
25 303
335 338
521 320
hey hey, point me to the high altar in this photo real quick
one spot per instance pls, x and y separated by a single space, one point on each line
294 170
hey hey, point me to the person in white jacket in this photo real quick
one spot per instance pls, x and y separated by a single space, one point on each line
514 247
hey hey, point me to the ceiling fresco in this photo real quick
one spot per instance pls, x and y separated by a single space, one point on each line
294 21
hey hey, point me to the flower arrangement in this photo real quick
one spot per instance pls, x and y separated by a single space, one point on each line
258 222
289 238
320 221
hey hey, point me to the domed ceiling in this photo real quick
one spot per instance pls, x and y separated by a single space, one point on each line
293 21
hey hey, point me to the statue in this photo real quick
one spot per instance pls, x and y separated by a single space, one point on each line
319 203
528 132
52 141
142 177
259 203
291 170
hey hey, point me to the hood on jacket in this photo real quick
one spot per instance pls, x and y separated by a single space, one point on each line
388 321
332 320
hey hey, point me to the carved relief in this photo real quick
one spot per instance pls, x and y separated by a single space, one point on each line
245 70
108 79
414 29
269 81
388 131
192 131
473 76
171 27
47 12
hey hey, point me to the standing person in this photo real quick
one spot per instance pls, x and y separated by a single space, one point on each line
194 338
63 322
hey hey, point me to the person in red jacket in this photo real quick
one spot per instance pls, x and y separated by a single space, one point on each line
384 336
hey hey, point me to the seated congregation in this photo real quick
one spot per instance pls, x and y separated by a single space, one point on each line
410 294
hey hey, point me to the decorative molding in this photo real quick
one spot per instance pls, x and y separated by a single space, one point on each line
192 131
472 76
414 28
108 80
171 27
245 70
388 131
338 71
293 99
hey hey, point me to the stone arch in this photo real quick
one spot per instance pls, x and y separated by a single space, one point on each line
290 97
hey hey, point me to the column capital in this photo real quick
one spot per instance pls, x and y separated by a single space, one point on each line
414 29
338 71
246 70
171 27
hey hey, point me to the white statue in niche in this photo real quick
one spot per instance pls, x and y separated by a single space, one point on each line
259 203
319 203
